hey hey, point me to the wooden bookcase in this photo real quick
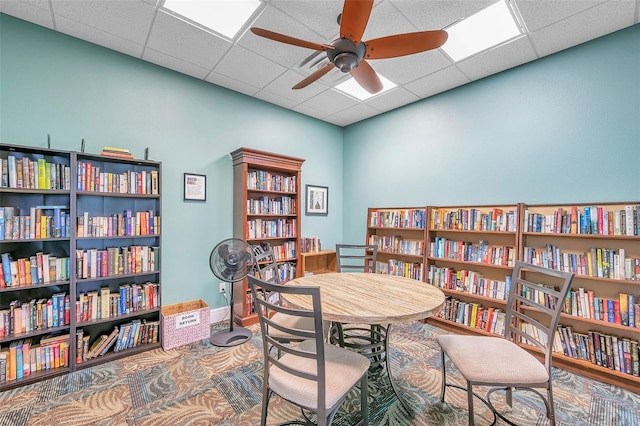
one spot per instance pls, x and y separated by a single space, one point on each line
471 253
400 235
318 262
266 206
46 203
560 236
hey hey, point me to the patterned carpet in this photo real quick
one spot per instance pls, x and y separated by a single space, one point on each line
200 384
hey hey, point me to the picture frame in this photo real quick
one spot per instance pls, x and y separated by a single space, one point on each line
317 200
195 187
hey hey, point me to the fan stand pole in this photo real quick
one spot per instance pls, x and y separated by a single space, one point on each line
232 337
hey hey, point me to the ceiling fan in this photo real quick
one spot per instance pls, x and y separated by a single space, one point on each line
349 52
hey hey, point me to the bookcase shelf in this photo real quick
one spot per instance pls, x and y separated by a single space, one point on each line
399 234
48 194
318 262
266 188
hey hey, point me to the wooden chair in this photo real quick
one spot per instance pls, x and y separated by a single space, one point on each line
501 361
312 374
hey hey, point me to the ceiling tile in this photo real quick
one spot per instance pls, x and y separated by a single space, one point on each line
437 82
386 20
540 13
392 99
175 37
285 54
282 86
437 14
501 58
83 32
338 120
37 11
306 110
330 102
175 64
356 113
585 26
230 83
275 99
409 68
244 65
317 15
129 20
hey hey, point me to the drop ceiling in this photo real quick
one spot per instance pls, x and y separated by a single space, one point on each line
267 70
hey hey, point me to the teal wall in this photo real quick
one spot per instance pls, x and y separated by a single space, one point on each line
565 128
54 84
562 129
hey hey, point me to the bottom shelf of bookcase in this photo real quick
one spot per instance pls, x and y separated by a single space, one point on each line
33 378
112 356
592 371
246 321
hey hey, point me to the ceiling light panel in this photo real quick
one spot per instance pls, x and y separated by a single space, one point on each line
489 27
352 88
225 17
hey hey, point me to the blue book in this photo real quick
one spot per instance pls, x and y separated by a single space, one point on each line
6 268
610 309
632 313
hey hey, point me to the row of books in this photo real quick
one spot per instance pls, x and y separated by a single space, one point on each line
443 248
130 298
471 282
113 261
473 315
271 228
37 173
474 219
596 262
35 315
400 268
126 336
403 218
266 205
263 180
93 179
622 310
122 224
42 222
23 358
397 244
605 350
310 244
40 268
595 220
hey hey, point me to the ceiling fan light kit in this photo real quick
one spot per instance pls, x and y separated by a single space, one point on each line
348 53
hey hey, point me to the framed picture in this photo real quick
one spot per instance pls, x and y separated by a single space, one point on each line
317 202
195 187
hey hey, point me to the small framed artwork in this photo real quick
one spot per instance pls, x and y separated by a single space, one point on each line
317 202
195 187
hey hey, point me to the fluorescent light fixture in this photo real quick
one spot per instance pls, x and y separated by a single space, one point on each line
489 27
226 17
352 88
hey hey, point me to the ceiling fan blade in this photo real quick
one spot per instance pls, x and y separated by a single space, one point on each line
355 15
367 77
316 75
289 40
404 44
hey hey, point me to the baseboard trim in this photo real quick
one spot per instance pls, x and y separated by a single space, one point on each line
219 314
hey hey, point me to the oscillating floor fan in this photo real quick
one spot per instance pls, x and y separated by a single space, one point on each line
231 261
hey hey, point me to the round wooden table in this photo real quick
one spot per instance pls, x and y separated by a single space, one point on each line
375 299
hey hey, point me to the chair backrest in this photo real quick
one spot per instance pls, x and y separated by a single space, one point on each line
267 266
536 298
265 310
356 257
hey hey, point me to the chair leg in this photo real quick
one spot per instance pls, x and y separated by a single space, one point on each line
509 396
444 377
470 403
266 394
364 400
551 413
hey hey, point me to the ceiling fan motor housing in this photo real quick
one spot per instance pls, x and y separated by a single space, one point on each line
346 55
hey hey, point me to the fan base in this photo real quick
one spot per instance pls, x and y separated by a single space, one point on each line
238 336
